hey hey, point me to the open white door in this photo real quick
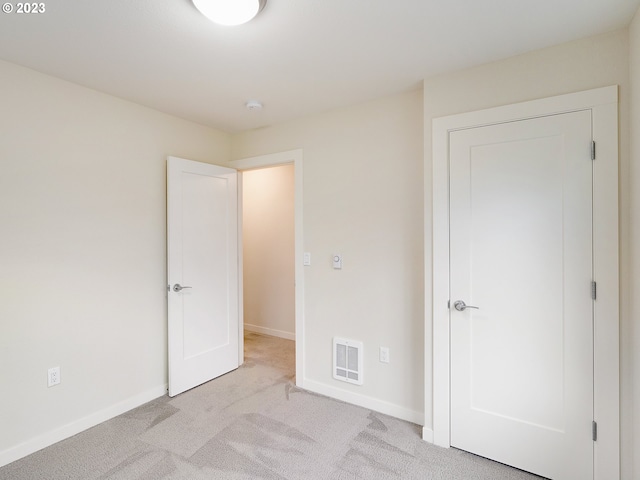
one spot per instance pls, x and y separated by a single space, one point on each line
202 251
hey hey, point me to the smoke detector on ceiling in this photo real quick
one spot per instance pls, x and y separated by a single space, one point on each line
253 106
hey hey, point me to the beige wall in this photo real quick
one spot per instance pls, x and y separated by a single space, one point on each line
634 182
363 199
268 251
580 65
82 249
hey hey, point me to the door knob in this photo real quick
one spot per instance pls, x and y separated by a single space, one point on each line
461 306
177 287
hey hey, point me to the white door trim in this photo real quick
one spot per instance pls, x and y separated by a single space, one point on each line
291 157
603 103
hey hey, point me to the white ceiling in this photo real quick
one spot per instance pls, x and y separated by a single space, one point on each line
298 57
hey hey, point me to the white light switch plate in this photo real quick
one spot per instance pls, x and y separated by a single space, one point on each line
307 259
384 354
337 261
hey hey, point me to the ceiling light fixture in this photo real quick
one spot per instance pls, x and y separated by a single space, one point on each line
229 12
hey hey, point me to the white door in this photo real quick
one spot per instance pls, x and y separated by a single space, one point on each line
202 245
521 252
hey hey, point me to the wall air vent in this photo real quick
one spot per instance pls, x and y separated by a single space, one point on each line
347 360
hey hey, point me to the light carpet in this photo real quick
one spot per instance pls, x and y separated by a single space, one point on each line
253 423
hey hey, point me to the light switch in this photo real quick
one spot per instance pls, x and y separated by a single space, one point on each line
384 354
337 261
307 259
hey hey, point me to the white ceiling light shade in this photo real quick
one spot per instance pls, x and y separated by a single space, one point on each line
229 12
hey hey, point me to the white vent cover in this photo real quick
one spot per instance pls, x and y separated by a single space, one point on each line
347 360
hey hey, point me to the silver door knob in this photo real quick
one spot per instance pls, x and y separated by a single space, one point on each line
177 287
461 306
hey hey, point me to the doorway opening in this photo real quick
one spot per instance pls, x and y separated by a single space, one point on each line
293 158
268 245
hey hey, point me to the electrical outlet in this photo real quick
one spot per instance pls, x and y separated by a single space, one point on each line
53 376
384 354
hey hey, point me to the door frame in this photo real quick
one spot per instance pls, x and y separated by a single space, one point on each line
291 157
603 103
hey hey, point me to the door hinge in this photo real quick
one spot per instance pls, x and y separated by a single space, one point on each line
593 150
594 431
593 290
449 304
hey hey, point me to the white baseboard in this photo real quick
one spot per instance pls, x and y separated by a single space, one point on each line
70 429
427 434
270 331
360 400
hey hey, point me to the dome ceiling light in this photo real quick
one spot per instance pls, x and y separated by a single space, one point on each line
229 12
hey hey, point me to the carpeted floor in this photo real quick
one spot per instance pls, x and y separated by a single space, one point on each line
253 423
